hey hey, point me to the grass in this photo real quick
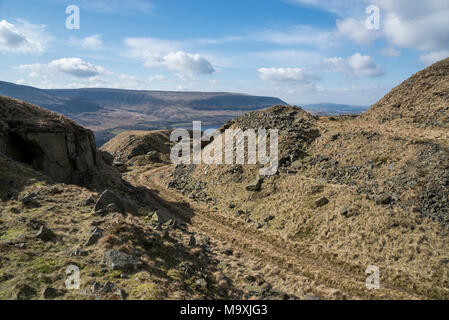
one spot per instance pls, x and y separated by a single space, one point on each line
408 257
145 291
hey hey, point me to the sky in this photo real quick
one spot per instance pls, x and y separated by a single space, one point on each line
302 51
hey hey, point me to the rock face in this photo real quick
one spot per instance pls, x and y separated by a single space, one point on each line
49 142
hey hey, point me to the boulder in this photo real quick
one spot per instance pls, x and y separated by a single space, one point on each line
117 260
322 201
384 198
255 186
45 234
24 292
107 198
94 236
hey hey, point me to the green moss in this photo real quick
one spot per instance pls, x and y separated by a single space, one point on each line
302 233
175 274
114 275
11 234
381 159
45 266
146 291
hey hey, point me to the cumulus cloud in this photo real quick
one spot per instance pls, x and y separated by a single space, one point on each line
93 42
22 37
163 53
356 31
300 75
432 57
356 65
72 66
76 67
418 25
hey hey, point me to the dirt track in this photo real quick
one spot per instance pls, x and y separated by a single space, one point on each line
256 251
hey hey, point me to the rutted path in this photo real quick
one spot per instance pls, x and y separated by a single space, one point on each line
277 260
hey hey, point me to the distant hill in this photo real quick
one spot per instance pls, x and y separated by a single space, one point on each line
110 111
333 109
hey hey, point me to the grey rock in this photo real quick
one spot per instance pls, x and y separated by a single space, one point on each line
117 260
45 234
121 293
201 283
322 201
50 293
25 292
192 241
96 286
268 218
89 201
108 287
255 185
384 198
94 236
107 198
107 157
29 199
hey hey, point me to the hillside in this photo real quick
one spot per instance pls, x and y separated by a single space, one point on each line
421 101
351 192
126 241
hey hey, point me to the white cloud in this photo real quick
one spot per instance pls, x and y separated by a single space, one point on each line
164 53
419 25
157 77
356 65
72 66
93 42
356 31
76 67
22 37
432 57
390 52
300 75
298 35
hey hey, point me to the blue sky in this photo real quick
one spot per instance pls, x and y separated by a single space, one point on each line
303 51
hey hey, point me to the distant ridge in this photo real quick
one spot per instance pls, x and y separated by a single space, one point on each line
110 111
333 109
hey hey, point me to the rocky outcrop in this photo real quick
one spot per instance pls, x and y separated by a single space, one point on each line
141 146
49 142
